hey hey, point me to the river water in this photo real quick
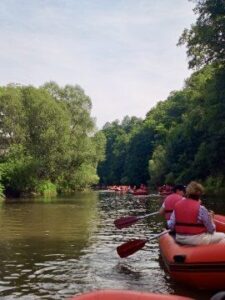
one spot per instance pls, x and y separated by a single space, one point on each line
56 248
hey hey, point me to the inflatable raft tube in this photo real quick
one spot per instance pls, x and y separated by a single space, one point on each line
126 295
202 267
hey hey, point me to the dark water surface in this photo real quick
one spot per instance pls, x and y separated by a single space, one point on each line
53 249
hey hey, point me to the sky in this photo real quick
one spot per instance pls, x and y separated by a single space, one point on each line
123 53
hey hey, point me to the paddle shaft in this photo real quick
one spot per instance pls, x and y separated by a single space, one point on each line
158 235
130 220
148 215
133 246
219 222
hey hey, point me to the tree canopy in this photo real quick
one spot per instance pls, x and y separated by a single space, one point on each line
205 40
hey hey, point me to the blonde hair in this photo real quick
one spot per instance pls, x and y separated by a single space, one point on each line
194 189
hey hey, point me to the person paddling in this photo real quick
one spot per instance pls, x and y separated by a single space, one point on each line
192 222
171 200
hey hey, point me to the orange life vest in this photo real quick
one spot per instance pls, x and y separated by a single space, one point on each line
169 204
186 214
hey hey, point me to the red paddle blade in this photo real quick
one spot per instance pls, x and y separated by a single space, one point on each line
125 222
130 247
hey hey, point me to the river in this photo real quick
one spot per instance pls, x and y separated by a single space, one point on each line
56 248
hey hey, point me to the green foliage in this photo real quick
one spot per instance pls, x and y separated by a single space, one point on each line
215 185
12 118
139 151
183 137
85 146
18 170
47 138
157 166
1 185
115 167
1 191
79 180
47 128
205 39
46 188
192 147
99 143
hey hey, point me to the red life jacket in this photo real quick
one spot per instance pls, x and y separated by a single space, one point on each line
169 204
186 214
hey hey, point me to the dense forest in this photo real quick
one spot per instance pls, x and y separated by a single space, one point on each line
49 143
183 137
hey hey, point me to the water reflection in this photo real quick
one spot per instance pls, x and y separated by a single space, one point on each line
61 247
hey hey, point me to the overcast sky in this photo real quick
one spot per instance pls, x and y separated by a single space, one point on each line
123 53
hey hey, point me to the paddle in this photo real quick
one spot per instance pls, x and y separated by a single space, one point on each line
133 246
130 220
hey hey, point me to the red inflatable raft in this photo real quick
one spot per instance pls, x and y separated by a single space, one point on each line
126 295
140 192
202 267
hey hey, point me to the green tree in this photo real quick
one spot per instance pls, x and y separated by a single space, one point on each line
113 170
158 166
12 117
86 147
139 151
48 139
206 39
47 131
1 185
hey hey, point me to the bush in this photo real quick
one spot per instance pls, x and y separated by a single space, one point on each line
215 185
2 196
46 188
1 191
18 171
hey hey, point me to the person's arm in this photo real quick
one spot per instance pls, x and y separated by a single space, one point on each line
172 221
162 210
207 219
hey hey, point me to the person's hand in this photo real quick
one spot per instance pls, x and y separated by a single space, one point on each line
211 214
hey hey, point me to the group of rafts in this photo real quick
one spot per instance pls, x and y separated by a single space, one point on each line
202 267
142 190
